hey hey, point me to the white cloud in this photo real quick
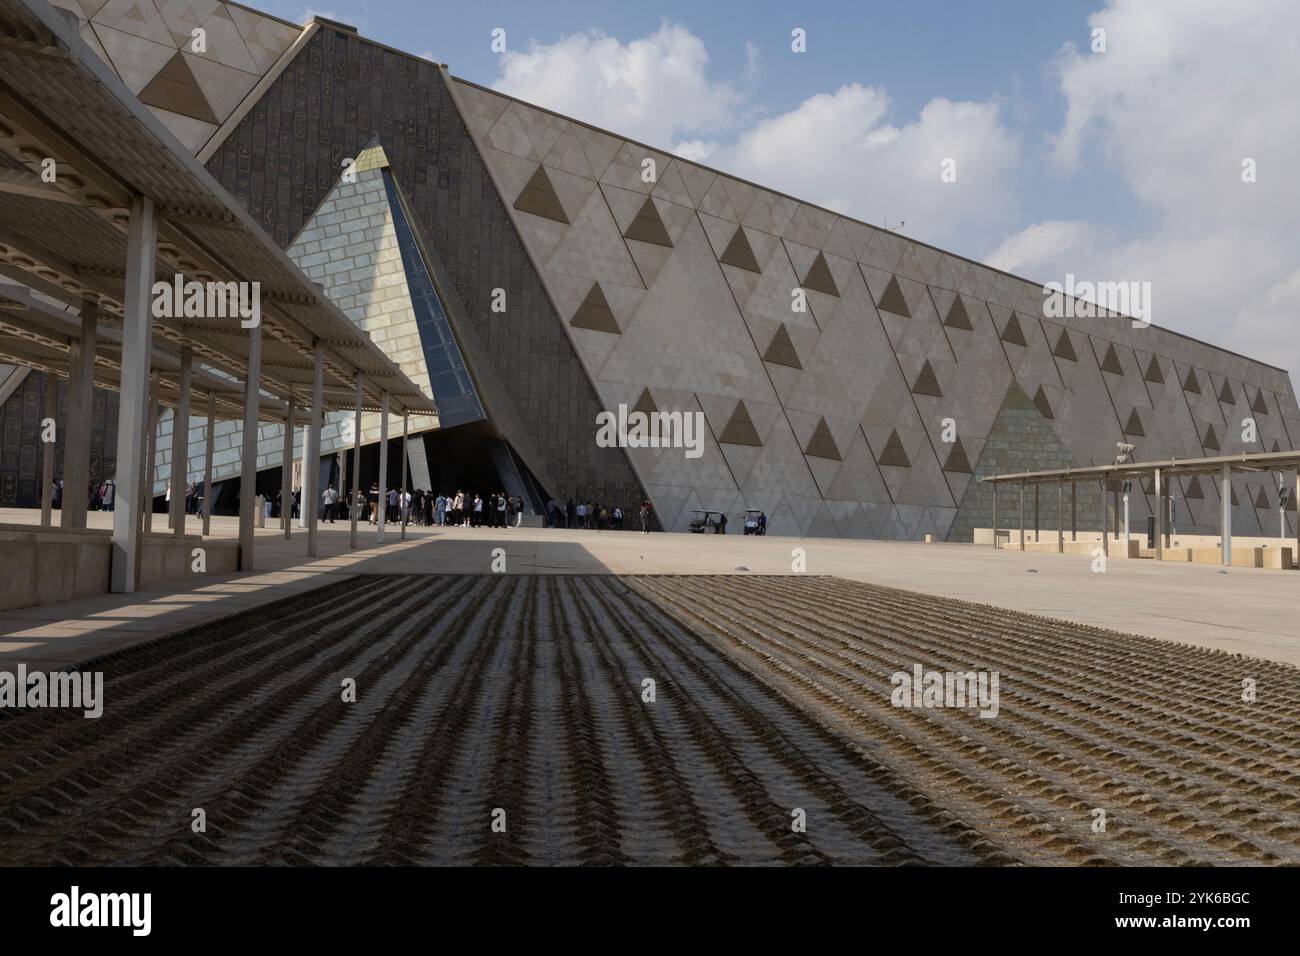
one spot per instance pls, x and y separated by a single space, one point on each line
1185 92
654 89
840 150
1052 241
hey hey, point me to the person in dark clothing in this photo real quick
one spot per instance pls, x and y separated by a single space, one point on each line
570 512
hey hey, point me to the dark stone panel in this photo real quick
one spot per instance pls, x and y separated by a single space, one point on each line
21 454
286 155
1021 439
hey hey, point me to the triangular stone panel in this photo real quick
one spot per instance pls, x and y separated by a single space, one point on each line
648 226
740 253
819 277
780 350
175 88
740 428
891 300
822 445
594 313
894 453
539 197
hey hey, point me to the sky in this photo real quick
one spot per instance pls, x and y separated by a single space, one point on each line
1119 158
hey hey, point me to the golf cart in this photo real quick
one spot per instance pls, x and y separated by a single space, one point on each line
705 520
752 524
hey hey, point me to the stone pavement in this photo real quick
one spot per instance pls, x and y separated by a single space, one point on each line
1244 611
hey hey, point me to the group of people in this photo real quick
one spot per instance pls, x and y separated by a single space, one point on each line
463 509
497 510
99 495
595 517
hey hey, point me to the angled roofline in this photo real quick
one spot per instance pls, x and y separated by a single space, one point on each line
803 202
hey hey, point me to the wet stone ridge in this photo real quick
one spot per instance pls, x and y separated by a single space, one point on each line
526 695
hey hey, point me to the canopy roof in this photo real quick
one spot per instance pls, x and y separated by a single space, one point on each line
67 239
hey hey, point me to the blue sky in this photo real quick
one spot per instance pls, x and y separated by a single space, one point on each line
1122 165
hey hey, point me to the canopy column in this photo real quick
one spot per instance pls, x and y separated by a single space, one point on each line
77 422
382 513
405 490
311 494
248 456
1160 516
1225 515
286 473
51 412
353 508
181 447
137 329
207 463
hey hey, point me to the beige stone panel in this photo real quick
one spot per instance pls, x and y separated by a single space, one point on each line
687 334
182 16
650 259
481 108
567 153
625 169
137 17
672 187
265 39
717 201
91 40
810 226
223 87
884 250
509 134
192 133
136 60
696 179
719 232
601 148
781 467
593 247
770 213
225 45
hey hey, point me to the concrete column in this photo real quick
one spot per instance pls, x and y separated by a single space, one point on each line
1295 555
356 468
1160 516
181 446
207 464
311 456
1128 524
1060 518
382 514
137 328
1074 524
302 470
406 516
47 451
1037 534
149 466
1022 516
248 457
76 427
286 473
1225 515
1105 522
995 515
